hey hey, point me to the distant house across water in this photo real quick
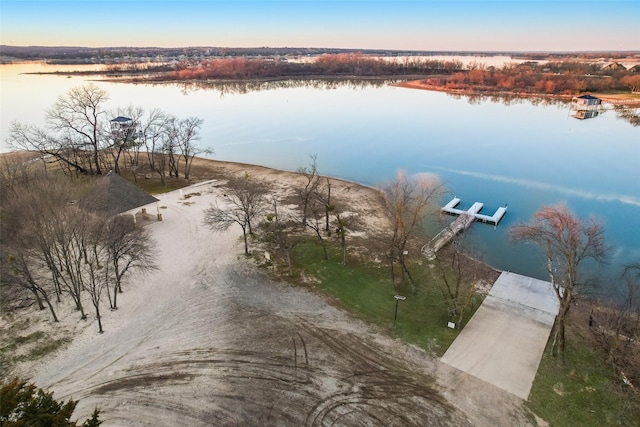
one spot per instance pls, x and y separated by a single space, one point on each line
586 106
586 101
614 66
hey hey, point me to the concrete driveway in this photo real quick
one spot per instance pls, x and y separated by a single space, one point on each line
503 342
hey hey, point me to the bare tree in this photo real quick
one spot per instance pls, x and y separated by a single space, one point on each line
16 172
29 215
283 235
632 82
631 307
127 137
315 216
567 243
323 193
615 325
128 248
31 138
246 199
307 190
154 137
187 133
18 270
341 233
458 280
75 133
273 201
52 240
344 223
167 139
95 272
68 237
170 147
408 201
77 113
51 245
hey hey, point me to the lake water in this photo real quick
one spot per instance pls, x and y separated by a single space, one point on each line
521 154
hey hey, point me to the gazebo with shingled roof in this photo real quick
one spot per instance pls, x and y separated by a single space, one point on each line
114 195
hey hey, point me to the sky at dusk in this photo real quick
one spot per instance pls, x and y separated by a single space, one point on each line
356 24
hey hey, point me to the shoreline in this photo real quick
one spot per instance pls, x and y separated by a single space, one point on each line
628 100
164 325
410 81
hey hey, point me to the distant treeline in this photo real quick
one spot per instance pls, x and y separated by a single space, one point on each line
554 78
343 64
128 54
109 55
578 73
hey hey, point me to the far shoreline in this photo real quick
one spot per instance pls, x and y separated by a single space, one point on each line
432 80
617 99
410 81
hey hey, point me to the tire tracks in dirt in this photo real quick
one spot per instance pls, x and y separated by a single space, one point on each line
212 341
325 377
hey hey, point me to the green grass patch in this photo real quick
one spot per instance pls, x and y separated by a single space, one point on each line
8 347
46 347
366 291
10 344
156 187
584 393
28 347
33 337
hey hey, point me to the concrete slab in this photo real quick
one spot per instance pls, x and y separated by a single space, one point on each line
503 342
527 291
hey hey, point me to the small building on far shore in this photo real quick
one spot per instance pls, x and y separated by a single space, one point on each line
614 66
586 106
586 102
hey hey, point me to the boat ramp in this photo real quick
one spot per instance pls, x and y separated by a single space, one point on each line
464 221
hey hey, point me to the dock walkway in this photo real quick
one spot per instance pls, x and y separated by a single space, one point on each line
464 221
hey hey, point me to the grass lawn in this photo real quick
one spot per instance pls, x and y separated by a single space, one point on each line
585 393
366 290
154 186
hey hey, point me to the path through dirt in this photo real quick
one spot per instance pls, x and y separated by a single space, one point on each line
211 340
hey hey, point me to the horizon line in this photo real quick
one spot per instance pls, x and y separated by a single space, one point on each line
629 51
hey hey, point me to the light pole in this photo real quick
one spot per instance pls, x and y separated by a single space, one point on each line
398 299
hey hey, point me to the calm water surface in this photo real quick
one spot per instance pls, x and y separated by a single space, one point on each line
523 155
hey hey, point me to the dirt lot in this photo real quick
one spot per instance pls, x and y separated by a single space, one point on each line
209 339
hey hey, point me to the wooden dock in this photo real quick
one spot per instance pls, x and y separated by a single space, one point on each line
464 221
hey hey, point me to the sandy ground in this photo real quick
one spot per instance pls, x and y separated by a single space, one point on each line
209 339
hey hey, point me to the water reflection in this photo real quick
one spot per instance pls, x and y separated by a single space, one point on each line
584 114
244 87
501 149
509 99
629 114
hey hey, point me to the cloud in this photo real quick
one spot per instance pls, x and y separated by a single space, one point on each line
585 194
